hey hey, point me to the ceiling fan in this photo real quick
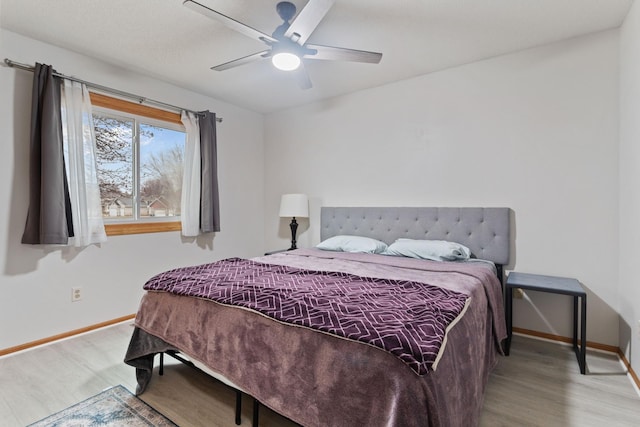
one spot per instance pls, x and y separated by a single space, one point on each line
287 44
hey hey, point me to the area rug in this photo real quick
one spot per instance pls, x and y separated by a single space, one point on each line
113 407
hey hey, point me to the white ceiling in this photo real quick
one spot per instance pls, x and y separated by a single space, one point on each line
166 40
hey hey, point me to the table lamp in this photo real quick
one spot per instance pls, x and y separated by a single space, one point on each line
292 206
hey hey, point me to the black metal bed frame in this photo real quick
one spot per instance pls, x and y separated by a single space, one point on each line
256 404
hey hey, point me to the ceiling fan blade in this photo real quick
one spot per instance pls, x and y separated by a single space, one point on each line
303 77
307 20
331 53
242 61
238 26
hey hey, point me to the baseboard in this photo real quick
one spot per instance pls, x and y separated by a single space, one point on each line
530 332
552 337
591 344
42 341
626 363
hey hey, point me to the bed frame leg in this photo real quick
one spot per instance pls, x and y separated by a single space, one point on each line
256 408
161 367
238 407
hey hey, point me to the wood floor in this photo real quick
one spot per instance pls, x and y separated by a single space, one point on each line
538 385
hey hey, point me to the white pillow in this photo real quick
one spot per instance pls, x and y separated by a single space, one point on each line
344 243
437 250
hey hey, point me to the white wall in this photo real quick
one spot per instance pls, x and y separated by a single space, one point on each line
535 131
36 282
630 186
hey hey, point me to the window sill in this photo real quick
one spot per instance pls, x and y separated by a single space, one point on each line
141 227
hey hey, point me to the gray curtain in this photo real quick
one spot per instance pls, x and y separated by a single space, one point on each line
49 217
209 198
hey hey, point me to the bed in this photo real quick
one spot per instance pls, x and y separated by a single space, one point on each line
319 377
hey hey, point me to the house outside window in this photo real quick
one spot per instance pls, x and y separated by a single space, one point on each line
139 156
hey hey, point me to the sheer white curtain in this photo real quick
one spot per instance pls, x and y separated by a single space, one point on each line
190 203
79 146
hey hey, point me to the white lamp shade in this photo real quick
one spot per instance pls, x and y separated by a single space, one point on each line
294 205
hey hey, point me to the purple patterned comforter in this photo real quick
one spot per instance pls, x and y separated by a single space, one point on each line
406 318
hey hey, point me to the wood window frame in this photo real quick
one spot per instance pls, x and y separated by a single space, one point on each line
116 104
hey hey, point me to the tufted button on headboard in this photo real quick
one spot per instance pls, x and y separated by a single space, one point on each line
485 231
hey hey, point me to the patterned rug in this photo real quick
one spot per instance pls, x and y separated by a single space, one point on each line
113 407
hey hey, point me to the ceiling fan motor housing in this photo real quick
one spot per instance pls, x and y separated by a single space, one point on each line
286 10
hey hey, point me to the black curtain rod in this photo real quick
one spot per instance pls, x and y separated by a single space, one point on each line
140 99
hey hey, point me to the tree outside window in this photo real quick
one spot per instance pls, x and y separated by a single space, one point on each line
139 164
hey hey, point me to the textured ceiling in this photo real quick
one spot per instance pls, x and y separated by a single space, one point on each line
166 40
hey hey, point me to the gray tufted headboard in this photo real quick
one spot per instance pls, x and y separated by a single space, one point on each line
483 230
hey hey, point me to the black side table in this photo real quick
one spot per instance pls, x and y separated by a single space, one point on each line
556 285
276 251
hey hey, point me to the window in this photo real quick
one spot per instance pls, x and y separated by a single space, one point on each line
139 158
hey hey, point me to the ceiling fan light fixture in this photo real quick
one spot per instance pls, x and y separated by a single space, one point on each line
286 61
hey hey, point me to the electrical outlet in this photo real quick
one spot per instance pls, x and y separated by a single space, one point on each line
518 293
638 330
76 294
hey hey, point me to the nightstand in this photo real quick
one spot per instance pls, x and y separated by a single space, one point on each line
276 251
556 285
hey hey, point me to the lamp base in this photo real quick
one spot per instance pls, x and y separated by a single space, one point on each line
294 229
